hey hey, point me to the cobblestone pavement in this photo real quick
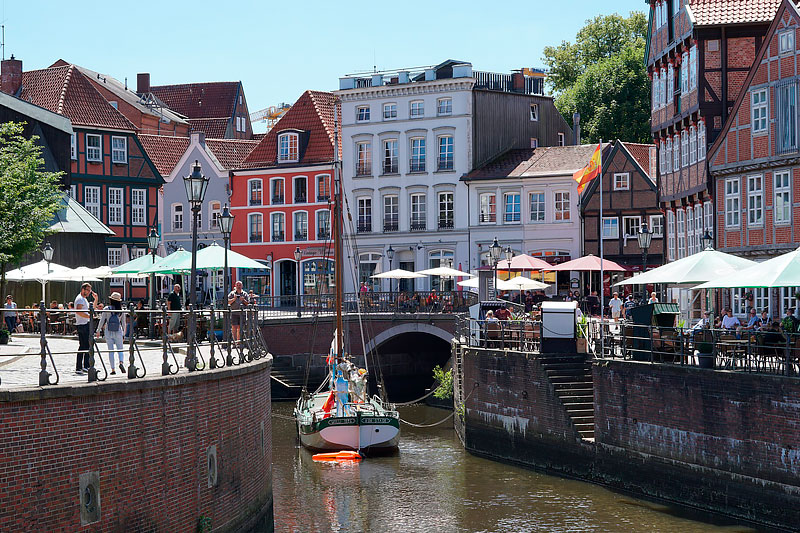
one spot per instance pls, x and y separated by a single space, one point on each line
20 360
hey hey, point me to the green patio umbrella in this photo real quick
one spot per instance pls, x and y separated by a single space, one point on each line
178 262
135 266
212 257
781 271
696 268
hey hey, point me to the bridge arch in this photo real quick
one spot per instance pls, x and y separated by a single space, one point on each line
407 327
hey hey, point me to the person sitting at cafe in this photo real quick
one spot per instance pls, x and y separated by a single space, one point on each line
502 313
753 321
490 316
789 322
729 321
703 322
765 320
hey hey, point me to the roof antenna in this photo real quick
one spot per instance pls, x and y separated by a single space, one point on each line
374 62
3 41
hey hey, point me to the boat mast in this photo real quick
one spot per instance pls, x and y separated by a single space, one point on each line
338 232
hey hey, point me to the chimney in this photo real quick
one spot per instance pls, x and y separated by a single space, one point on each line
143 82
517 82
576 127
11 76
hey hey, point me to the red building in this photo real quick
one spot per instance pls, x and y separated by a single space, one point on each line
111 175
282 196
754 162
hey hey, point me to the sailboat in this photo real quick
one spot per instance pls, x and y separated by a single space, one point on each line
344 417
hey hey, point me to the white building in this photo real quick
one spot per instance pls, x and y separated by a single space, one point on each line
408 138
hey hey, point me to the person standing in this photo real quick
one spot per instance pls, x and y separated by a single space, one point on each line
174 304
237 300
653 298
82 326
11 316
615 304
112 325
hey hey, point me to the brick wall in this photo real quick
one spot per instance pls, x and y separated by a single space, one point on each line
147 440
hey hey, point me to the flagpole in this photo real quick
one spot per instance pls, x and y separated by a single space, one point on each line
602 272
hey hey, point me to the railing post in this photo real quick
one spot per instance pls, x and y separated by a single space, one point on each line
227 325
44 375
92 370
132 370
212 362
164 325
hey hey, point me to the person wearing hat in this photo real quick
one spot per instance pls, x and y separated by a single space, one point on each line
112 324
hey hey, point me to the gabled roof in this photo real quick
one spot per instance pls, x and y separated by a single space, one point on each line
166 151
41 114
635 153
724 12
66 91
230 152
531 163
200 100
72 217
313 114
212 127
641 153
510 164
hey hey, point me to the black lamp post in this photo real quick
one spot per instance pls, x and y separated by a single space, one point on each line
494 252
196 184
47 252
390 256
152 243
297 256
644 237
226 227
708 241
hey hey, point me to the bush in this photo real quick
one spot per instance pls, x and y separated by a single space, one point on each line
445 379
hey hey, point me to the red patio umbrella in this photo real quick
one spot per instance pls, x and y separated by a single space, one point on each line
524 262
589 263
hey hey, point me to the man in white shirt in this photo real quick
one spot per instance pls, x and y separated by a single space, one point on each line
615 304
82 325
729 321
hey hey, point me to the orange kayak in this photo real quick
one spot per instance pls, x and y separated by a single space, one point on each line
343 455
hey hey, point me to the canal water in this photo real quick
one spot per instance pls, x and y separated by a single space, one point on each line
433 485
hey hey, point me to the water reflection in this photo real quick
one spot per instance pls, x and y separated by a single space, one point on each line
432 484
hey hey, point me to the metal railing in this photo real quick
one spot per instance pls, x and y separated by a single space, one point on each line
277 237
445 223
277 200
390 224
390 168
418 225
416 164
364 168
364 226
300 198
444 163
521 334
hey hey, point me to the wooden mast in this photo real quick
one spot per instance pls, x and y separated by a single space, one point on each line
338 233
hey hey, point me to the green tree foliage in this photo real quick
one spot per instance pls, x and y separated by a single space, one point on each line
445 379
29 196
601 76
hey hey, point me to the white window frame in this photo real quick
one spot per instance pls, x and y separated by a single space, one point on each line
277 219
670 84
708 216
755 200
622 181
684 73
701 140
662 87
418 154
733 203
676 153
610 228
116 203
680 218
534 142
139 207
635 223
251 217
538 215
214 211
692 145
390 111
563 208
391 211
534 112
693 68
486 216
93 206
136 253
114 256
759 110
272 185
662 157
445 159
444 106
300 221
656 224
561 139
418 212
320 224
670 235
513 215
446 209
668 159
362 113
698 227
364 210
173 217
251 188
73 191
684 148
786 41
782 195
416 109
690 230
94 153
363 156
323 185
288 147
73 146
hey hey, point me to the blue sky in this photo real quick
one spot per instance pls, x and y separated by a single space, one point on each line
280 49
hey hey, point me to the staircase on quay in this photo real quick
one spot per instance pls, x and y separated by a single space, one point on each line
571 376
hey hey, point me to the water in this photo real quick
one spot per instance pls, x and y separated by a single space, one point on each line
433 485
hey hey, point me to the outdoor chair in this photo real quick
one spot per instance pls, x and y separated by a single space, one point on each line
493 334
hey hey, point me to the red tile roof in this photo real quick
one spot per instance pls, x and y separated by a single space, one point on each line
164 151
200 100
230 152
212 127
543 161
719 12
65 90
512 163
641 153
313 113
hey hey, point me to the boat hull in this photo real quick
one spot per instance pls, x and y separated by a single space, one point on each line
351 433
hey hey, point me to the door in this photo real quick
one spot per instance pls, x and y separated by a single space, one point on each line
288 281
406 285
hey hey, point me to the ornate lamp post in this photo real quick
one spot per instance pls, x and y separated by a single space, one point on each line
152 242
226 226
297 256
644 237
708 241
196 184
390 257
47 252
494 252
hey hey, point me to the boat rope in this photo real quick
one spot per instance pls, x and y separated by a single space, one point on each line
283 417
412 402
445 419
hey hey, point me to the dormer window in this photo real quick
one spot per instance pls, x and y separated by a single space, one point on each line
288 148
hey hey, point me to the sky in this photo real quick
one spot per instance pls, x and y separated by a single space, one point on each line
278 50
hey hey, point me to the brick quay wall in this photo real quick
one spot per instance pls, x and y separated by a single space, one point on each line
724 443
159 454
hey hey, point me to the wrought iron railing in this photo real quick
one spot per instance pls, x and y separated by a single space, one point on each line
416 164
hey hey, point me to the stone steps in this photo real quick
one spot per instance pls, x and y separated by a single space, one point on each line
571 377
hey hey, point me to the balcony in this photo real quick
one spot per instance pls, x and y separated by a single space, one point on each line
364 225
418 225
488 218
390 225
390 167
323 234
302 236
255 200
416 164
277 200
511 217
444 163
300 198
324 197
445 223
255 237
277 237
364 168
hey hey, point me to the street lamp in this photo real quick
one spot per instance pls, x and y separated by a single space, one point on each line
196 184
390 256
644 237
494 252
708 241
152 243
226 227
297 256
47 252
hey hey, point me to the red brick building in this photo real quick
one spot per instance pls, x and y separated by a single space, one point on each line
284 193
754 161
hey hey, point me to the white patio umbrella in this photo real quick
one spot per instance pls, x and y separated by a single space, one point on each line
35 272
521 283
501 284
689 271
81 273
445 272
398 273
781 271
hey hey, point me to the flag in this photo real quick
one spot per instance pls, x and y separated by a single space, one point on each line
591 170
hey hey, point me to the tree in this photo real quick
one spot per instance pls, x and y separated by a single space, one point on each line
601 76
29 196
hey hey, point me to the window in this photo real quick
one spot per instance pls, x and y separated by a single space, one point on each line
537 206
654 91
391 213
676 154
668 158
418 213
364 223
657 226
73 191
562 207
676 6
488 213
444 106
670 235
786 110
610 228
698 228
254 188
732 202
755 200
440 258
94 148
300 190
445 160
277 191
446 210
561 141
693 68
684 74
759 110
417 154
362 113
511 202
213 216
114 260
534 142
119 150
788 297
701 140
73 146
786 41
782 210
288 147
389 111
91 200
681 217
662 156
708 214
323 188
622 181
692 145
300 226
390 156
323 224
136 253
662 88
631 225
255 226
690 230
138 207
534 112
115 202
417 109
278 227
199 219
177 217
363 158
684 148
670 83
